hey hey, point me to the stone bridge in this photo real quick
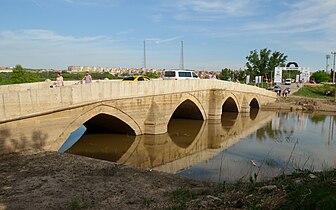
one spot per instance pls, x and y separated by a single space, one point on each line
39 117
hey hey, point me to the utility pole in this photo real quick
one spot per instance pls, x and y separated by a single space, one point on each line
144 66
327 62
182 59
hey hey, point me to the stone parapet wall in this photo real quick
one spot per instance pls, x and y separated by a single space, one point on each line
25 100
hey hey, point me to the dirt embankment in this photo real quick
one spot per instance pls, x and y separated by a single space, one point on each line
295 103
49 180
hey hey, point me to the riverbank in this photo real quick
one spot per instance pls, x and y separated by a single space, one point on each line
298 103
49 180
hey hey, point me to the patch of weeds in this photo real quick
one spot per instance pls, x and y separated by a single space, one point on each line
220 188
313 191
147 201
75 204
79 203
180 198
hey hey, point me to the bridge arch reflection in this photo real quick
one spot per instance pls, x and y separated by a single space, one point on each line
170 152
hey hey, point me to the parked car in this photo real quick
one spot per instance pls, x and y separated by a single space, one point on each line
179 74
135 78
288 81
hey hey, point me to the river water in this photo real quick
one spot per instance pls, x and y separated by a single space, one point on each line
257 146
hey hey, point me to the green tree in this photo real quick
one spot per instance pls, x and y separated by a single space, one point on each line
320 76
264 62
152 74
226 74
20 75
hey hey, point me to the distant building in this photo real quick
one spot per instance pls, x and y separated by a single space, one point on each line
5 70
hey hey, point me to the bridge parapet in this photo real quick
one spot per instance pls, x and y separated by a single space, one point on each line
36 100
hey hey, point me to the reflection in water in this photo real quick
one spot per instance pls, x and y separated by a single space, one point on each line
222 150
229 119
183 131
288 142
103 146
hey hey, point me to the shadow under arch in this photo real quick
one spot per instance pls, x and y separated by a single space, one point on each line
187 110
104 123
91 113
254 108
254 104
230 105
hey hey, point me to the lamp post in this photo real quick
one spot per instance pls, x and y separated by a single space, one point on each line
334 54
333 79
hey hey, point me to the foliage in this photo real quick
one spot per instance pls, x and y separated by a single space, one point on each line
152 75
20 75
320 76
315 91
310 193
180 198
232 75
264 62
226 74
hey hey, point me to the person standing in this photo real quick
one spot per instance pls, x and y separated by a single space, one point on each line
87 78
59 80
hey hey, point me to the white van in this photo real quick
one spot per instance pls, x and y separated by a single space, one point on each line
179 74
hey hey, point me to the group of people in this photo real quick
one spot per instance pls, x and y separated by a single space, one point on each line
60 82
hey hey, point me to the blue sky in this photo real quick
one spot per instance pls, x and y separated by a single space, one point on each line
216 33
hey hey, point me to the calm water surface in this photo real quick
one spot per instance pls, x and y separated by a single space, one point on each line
237 147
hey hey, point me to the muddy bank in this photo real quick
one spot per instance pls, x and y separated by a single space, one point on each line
296 103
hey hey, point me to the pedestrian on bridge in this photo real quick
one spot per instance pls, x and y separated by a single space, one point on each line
87 78
59 80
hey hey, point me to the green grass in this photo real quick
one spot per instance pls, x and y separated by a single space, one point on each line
180 197
315 91
311 193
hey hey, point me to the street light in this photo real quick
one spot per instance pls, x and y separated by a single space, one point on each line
334 54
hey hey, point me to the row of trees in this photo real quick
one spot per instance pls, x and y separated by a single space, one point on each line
21 75
263 63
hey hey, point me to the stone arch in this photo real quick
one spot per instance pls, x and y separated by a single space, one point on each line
88 114
188 102
292 63
105 123
230 104
254 104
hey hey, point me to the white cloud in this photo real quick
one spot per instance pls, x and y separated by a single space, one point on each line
43 48
92 2
302 17
45 35
207 10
